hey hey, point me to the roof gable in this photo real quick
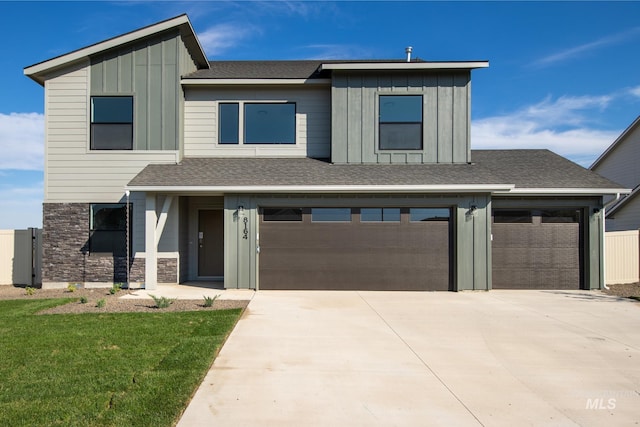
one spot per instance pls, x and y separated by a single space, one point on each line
39 71
616 143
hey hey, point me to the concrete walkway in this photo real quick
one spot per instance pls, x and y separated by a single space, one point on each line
194 291
452 359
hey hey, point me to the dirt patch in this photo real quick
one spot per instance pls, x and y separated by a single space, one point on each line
624 290
113 303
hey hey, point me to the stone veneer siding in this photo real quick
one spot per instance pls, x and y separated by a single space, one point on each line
66 257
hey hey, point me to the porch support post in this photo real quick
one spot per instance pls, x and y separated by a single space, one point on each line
163 218
150 245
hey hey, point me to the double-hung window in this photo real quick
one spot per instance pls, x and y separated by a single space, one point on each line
108 228
257 123
400 122
112 123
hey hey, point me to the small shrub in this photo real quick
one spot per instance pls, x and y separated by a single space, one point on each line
208 301
29 290
101 303
72 287
84 300
115 288
162 302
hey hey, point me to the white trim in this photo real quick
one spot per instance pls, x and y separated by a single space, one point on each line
480 188
33 70
196 82
164 255
405 65
567 191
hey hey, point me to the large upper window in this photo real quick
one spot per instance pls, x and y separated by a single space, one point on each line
112 123
108 228
400 122
270 123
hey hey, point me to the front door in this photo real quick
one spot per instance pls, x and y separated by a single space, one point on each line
210 243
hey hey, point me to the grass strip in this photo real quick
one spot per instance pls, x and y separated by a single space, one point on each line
110 369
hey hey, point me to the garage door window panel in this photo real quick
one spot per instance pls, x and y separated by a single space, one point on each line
331 215
560 216
380 215
429 214
282 214
504 216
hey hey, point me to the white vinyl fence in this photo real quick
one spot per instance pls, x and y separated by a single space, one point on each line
21 257
622 257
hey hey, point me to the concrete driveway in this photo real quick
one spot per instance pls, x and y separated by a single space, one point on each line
403 358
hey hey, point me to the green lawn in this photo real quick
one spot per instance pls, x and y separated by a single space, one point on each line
118 369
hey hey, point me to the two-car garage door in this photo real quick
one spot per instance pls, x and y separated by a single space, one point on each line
355 248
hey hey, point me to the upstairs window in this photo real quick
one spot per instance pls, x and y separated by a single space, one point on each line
400 122
112 123
108 228
270 123
229 119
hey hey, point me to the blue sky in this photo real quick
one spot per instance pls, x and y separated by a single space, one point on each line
562 75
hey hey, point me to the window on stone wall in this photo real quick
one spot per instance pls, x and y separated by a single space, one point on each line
108 228
400 122
111 122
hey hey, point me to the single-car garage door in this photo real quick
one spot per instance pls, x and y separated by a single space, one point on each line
537 249
355 248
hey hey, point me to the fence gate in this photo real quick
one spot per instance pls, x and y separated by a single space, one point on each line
21 257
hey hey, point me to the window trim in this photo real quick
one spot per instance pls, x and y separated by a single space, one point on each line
379 122
242 123
92 123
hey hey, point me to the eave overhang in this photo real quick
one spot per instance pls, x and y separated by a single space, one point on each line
39 71
325 189
404 66
244 82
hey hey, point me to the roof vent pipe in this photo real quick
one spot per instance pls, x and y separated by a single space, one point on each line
408 49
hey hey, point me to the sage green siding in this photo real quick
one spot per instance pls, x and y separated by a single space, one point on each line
592 233
149 70
446 116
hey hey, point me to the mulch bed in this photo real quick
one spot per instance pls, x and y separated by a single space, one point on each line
113 303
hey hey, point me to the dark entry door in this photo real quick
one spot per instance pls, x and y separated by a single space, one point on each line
210 243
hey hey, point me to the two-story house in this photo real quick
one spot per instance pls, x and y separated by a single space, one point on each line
620 162
164 167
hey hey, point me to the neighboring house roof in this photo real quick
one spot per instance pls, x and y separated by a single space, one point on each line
613 146
38 71
623 202
513 171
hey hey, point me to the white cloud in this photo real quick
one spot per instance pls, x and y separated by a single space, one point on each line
222 37
580 50
635 91
561 126
21 206
22 141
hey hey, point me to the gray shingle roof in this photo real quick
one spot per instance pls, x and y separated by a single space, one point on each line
279 69
524 168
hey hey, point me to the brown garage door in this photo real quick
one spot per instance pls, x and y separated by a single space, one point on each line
537 249
355 249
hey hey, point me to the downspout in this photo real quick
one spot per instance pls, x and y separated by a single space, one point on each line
604 240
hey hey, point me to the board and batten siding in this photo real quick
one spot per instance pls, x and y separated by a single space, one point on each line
446 116
73 173
313 121
149 71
